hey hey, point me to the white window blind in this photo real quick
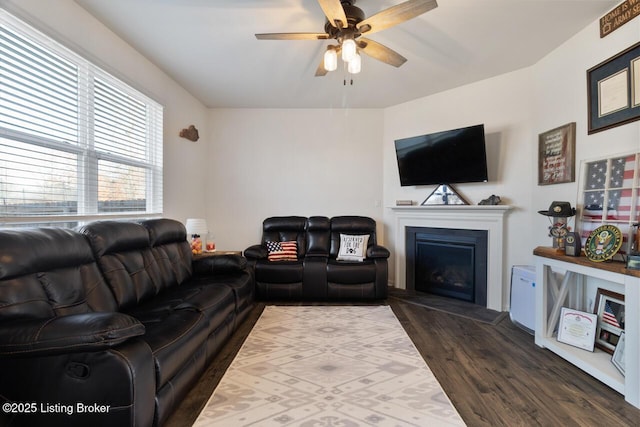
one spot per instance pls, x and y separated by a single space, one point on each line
75 142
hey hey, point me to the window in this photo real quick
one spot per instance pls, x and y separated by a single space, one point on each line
75 142
610 190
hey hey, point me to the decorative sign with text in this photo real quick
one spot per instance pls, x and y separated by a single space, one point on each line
556 155
619 16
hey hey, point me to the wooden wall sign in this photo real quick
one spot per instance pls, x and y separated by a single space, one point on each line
619 16
556 155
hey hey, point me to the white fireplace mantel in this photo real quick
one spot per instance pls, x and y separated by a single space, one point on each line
466 217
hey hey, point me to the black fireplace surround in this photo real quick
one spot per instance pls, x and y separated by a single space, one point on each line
448 262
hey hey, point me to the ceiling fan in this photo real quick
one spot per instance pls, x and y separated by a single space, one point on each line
347 23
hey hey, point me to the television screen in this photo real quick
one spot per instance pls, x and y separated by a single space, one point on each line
452 156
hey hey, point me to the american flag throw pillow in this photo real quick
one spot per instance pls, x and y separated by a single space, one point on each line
282 251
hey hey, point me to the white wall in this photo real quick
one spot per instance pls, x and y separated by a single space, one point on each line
71 25
270 162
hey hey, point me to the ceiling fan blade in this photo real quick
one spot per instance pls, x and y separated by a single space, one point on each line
320 71
292 36
381 52
395 15
334 12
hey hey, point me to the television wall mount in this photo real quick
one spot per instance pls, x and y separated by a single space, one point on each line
444 194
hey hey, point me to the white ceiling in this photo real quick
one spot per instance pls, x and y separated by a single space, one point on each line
209 47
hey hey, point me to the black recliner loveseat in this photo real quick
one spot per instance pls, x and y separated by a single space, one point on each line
111 324
316 271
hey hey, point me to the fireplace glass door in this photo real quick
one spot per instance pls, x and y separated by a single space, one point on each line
451 263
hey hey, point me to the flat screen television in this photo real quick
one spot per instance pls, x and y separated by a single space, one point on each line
448 157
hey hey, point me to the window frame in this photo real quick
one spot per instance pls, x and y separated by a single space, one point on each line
587 223
88 157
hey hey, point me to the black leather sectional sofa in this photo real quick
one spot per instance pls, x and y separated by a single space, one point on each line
317 273
110 325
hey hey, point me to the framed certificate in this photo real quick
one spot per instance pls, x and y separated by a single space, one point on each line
577 328
613 91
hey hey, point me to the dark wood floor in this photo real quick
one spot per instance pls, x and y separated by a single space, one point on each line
494 374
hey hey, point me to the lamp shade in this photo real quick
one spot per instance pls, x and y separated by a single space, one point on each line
348 50
196 226
355 65
330 59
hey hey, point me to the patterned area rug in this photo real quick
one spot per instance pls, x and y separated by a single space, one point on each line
317 366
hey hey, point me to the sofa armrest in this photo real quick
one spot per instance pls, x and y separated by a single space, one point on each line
377 251
218 264
256 252
67 334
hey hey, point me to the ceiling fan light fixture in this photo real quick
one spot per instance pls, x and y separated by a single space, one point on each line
348 50
330 59
355 65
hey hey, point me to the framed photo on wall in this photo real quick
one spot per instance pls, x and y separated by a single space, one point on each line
613 90
611 317
556 155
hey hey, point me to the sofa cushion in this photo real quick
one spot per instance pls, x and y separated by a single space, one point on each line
219 264
172 252
41 249
282 251
46 272
286 228
124 254
67 334
352 247
318 236
240 283
353 225
173 338
279 272
351 272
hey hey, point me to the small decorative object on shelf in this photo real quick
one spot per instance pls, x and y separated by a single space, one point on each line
603 243
559 228
491 200
196 244
196 227
572 244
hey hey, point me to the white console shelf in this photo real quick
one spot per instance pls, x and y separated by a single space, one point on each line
597 363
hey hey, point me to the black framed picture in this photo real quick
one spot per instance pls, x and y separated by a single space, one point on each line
613 90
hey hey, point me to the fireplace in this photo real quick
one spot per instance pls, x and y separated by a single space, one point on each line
447 262
489 218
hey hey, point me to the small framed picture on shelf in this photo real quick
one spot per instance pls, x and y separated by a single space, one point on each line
611 316
618 354
577 328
